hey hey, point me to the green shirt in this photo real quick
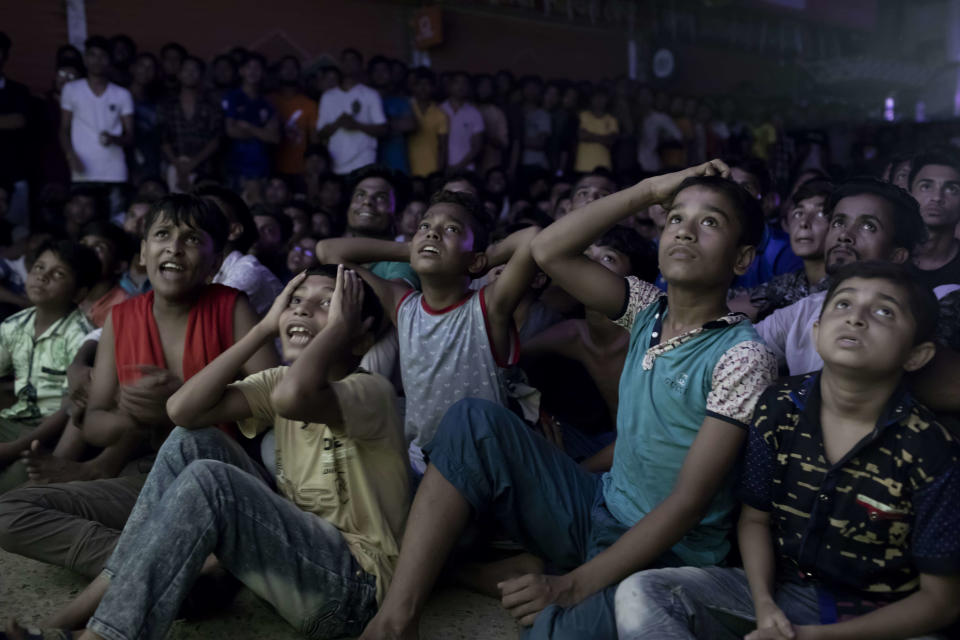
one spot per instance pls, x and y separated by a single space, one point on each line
396 271
39 365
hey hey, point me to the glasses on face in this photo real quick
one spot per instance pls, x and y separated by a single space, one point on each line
66 74
304 251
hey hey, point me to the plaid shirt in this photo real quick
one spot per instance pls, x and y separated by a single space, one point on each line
39 365
188 137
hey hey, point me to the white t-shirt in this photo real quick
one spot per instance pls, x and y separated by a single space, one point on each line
351 150
92 115
657 126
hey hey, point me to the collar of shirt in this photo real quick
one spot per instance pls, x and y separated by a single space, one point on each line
658 348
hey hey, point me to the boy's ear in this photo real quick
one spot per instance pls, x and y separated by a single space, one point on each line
745 255
899 255
919 356
366 337
236 230
479 263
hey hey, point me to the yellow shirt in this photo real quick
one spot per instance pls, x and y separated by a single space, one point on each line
591 155
357 478
423 144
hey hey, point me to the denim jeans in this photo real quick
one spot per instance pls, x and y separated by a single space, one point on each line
715 603
205 495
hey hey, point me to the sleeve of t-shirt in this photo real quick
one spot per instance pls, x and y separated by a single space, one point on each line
256 389
774 328
639 296
126 102
325 113
377 115
936 505
740 377
755 487
368 406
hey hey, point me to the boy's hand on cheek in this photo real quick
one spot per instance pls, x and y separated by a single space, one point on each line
347 303
270 325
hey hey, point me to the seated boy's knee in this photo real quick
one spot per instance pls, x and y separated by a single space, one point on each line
475 418
12 510
639 588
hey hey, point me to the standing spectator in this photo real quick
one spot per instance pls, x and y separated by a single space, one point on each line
122 54
496 132
146 92
532 130
172 55
251 124
427 146
598 131
53 169
298 119
190 128
655 127
566 124
96 124
351 118
14 105
224 78
624 153
400 119
466 125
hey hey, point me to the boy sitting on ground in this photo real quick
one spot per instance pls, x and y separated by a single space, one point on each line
322 553
692 375
113 247
850 490
38 344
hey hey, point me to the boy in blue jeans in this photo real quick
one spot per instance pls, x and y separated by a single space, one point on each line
850 490
692 375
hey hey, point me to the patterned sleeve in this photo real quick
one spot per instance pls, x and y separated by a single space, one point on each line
740 377
756 473
640 295
936 505
6 355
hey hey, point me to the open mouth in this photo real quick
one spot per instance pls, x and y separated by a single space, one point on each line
171 269
848 341
298 334
429 250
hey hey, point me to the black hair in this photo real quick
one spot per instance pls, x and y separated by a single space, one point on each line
755 167
371 307
5 44
192 211
225 56
397 181
375 60
85 191
423 73
747 207
600 172
908 228
254 55
97 42
153 178
122 246
466 175
176 46
289 56
198 61
473 206
239 212
333 68
641 252
945 157
82 260
351 50
922 303
812 189
124 39
285 223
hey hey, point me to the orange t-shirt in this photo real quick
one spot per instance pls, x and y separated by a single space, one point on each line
98 312
298 117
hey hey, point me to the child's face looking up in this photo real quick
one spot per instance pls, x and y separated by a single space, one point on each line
305 315
50 281
443 244
179 259
807 225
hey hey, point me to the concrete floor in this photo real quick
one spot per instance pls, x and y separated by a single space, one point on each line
31 591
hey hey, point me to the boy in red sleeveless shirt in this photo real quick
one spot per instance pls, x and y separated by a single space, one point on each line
150 344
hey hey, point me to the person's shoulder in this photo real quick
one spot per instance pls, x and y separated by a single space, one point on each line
117 90
17 319
368 389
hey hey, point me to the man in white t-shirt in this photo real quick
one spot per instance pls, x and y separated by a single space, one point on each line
351 118
656 127
97 120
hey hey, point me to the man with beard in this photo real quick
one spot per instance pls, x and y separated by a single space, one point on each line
869 220
298 119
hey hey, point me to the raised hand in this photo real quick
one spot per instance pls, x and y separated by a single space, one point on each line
270 325
663 187
347 303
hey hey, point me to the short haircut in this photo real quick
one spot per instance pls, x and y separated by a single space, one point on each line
122 246
122 38
908 228
474 207
254 55
755 167
84 191
286 225
97 42
197 61
4 44
371 303
332 69
352 51
375 60
397 181
82 260
921 301
238 211
812 189
467 176
945 157
175 46
641 252
193 211
223 57
422 73
747 207
597 172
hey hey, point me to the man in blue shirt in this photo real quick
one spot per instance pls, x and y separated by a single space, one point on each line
251 123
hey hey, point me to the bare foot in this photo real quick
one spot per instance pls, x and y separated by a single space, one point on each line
44 468
484 577
380 628
15 632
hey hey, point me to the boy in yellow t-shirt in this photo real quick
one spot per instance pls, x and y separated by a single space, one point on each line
322 552
598 131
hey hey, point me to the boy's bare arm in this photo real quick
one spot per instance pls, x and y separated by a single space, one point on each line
361 250
103 424
389 292
245 320
756 549
559 248
502 296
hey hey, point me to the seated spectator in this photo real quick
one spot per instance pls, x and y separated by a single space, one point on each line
598 131
113 247
83 206
191 127
239 268
277 192
299 215
302 255
694 372
807 223
37 344
150 344
935 183
898 169
462 181
321 224
410 219
869 220
135 280
273 233
151 188
298 119
316 167
96 124
848 485
251 124
332 536
465 141
427 145
351 118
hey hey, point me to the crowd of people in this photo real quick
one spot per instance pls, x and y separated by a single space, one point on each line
343 335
